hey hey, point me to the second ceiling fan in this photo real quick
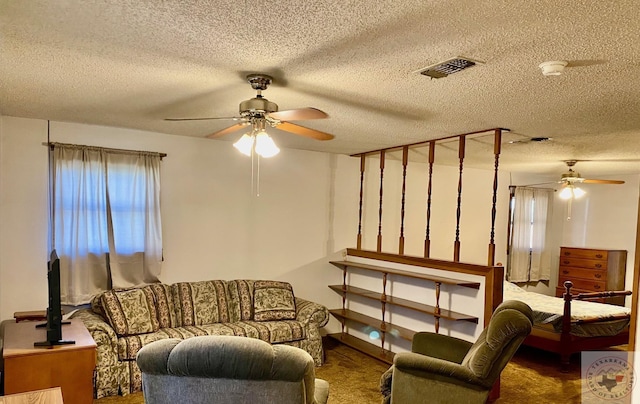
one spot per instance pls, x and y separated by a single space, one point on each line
259 113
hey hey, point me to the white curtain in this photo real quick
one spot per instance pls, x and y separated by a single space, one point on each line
529 252
105 218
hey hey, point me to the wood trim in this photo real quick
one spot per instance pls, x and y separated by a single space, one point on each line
422 143
633 325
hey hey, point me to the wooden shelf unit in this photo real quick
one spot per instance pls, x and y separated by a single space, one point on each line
344 315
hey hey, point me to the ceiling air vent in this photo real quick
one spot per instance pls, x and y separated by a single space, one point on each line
448 67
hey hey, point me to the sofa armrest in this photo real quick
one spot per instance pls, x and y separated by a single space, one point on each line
307 312
96 324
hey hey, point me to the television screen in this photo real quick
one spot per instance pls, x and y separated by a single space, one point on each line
54 311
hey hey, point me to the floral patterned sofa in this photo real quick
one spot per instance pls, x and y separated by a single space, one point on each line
123 321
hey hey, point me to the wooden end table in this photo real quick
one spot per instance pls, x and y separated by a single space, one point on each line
28 368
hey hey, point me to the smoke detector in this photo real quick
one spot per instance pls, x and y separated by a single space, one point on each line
448 67
553 68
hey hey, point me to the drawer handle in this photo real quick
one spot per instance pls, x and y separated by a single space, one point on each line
596 286
566 262
598 255
567 253
565 272
598 276
598 265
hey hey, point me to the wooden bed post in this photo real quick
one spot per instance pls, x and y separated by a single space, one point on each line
565 337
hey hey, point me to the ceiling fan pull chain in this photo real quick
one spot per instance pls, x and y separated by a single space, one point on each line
253 156
258 179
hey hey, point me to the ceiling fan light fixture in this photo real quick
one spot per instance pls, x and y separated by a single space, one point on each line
265 146
245 144
571 192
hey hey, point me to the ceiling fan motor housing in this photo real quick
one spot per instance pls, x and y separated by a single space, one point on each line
257 106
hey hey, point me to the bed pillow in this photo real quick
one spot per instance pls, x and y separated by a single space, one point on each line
131 312
273 301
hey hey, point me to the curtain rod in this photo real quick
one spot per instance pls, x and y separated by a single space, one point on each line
53 144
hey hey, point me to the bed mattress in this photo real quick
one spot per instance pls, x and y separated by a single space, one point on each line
548 310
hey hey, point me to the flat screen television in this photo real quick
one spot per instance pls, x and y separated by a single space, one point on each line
54 311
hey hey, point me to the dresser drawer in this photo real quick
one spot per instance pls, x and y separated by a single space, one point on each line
583 273
594 286
582 263
583 253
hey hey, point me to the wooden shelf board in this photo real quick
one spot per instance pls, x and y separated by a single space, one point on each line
396 301
416 275
388 328
365 347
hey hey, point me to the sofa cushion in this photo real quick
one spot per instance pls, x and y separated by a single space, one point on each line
199 303
164 305
270 331
131 311
241 299
273 300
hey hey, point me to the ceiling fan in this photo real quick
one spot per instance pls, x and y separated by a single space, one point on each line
258 112
570 179
573 177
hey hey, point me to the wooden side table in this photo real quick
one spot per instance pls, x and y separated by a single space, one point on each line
71 367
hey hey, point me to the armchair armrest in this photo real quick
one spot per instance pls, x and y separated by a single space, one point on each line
307 311
440 346
435 369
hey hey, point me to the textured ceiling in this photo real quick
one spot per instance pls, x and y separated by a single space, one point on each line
132 63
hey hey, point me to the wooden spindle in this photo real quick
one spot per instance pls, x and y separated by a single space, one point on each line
427 239
437 309
344 288
497 143
379 247
362 165
456 244
405 159
383 302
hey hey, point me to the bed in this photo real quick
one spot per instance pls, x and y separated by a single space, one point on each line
573 324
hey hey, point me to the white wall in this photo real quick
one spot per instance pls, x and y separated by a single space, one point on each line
213 226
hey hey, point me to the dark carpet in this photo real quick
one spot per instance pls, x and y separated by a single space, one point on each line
532 376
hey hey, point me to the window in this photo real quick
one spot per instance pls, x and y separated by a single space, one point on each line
106 226
530 223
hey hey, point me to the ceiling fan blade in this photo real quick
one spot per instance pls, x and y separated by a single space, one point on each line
299 114
303 131
602 181
228 130
232 118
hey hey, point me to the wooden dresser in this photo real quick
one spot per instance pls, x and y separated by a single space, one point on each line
592 270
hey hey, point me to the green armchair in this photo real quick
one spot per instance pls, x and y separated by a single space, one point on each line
442 369
228 370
